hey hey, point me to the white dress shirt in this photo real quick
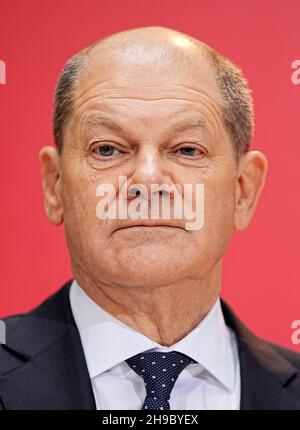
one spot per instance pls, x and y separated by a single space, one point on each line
211 383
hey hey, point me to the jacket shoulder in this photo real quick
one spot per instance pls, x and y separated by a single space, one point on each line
292 356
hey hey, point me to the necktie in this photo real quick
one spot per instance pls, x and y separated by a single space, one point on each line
159 371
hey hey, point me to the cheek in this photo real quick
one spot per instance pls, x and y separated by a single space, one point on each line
219 212
82 225
79 200
219 197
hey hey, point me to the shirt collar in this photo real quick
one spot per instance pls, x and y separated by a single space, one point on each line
107 341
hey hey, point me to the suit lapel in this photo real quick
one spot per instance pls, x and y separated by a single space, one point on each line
264 371
45 359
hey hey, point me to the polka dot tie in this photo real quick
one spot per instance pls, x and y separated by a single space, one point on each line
159 371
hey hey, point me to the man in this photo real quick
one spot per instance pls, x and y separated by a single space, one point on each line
142 325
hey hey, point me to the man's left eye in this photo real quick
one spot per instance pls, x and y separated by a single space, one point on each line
189 151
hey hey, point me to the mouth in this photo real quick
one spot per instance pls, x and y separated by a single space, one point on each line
149 226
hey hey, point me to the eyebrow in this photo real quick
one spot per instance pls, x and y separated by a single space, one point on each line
96 121
99 121
195 123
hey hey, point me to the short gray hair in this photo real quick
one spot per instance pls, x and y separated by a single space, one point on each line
64 93
237 103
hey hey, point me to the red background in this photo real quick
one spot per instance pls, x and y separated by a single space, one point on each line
261 279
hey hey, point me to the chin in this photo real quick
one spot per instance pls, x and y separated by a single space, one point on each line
147 279
146 270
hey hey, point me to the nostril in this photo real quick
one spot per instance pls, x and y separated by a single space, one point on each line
134 192
163 192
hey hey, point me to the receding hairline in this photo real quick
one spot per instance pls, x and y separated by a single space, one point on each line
148 36
167 42
161 37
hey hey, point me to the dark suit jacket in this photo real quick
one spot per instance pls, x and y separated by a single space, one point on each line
42 365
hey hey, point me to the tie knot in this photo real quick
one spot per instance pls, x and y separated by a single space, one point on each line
159 371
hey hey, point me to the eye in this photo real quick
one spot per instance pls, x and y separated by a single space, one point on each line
106 150
190 151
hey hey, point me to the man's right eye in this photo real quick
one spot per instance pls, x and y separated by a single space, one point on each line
105 151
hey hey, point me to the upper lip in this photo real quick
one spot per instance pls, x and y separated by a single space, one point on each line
150 223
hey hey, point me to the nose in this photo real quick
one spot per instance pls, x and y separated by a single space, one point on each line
150 169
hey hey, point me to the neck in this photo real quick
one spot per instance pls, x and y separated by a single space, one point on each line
164 314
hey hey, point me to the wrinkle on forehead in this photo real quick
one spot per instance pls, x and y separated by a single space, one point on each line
144 104
136 89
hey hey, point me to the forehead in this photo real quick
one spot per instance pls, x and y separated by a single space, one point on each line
148 87
147 105
145 127
143 73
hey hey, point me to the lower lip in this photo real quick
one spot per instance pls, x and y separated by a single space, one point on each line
144 234
148 228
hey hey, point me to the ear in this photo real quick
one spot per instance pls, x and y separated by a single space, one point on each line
252 172
51 177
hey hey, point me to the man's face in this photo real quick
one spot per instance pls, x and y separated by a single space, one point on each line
154 122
